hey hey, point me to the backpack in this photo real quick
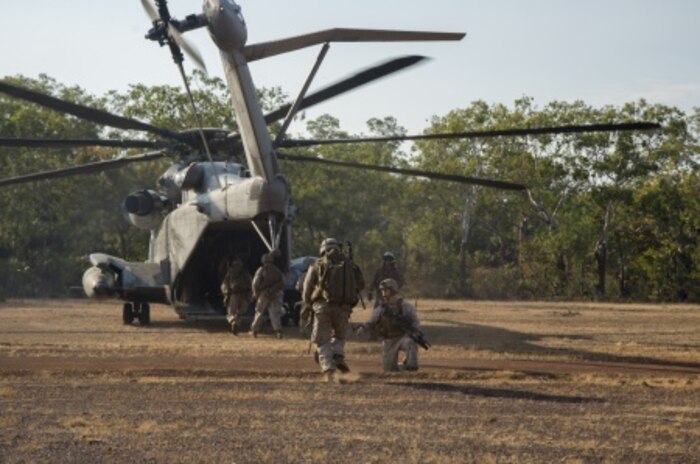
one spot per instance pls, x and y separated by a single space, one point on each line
340 281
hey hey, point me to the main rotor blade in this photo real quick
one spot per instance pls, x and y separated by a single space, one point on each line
84 112
411 172
347 84
266 49
482 134
71 143
150 10
89 168
188 48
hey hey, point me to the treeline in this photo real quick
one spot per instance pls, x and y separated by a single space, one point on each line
606 216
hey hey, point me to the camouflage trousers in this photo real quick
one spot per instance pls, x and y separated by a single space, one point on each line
237 307
272 305
390 353
328 333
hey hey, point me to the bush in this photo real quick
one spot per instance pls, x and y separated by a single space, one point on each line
495 283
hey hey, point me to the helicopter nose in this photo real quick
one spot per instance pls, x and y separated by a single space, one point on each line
226 24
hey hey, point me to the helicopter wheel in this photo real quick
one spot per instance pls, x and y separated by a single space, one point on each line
128 313
145 314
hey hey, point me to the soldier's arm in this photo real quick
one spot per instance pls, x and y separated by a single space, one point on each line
376 314
411 315
257 283
310 282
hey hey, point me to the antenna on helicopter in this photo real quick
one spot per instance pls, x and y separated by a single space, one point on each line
164 32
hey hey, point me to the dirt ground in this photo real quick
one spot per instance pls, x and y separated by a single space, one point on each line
503 382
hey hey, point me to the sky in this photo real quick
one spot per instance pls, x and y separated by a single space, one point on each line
599 51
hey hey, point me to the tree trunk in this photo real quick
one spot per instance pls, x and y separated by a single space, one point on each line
601 253
601 257
466 223
622 274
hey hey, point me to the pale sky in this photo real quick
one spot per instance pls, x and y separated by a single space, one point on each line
600 51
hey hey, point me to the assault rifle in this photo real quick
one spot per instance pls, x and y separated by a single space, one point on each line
306 316
350 256
415 334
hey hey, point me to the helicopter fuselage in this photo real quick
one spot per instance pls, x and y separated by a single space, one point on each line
193 237
222 210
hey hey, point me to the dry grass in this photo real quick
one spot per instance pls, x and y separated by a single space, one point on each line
504 382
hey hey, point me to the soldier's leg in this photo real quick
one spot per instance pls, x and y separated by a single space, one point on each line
243 301
321 336
260 308
238 307
231 310
411 349
274 309
390 354
340 319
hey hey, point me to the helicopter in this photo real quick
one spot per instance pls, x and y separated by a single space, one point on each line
225 196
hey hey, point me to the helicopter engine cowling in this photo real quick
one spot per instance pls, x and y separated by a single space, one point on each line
98 283
145 209
245 200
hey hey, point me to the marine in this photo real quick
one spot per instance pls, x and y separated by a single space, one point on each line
387 270
331 288
268 289
395 321
236 287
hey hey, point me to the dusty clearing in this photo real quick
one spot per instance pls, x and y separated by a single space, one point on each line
504 382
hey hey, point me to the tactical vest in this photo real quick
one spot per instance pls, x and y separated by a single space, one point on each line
237 282
270 280
391 322
338 281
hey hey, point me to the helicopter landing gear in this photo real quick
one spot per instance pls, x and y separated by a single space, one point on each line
140 311
128 313
145 314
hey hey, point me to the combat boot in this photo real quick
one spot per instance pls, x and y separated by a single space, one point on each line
253 334
278 334
340 363
234 328
329 376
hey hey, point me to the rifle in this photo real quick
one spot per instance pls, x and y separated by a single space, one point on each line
350 256
414 333
306 316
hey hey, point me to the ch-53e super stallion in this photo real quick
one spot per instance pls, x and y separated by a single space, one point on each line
225 195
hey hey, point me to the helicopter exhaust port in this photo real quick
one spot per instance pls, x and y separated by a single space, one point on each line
145 209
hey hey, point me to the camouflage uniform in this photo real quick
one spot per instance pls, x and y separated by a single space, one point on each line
268 288
330 322
236 288
387 270
394 337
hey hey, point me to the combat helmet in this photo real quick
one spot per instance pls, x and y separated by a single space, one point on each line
328 244
389 284
388 256
267 258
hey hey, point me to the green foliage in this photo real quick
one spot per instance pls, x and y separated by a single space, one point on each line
606 215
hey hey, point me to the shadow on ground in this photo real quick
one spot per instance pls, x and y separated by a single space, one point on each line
496 392
499 340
